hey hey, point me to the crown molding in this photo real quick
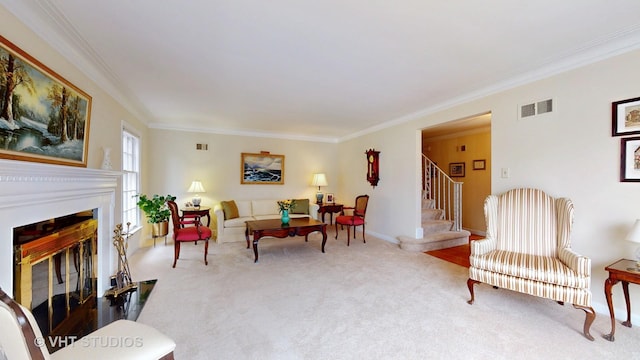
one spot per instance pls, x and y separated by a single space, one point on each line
260 134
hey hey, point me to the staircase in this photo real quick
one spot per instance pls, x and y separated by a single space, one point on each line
441 213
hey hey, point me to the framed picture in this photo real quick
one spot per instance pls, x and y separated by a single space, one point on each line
456 169
479 164
630 159
262 168
625 115
43 117
330 198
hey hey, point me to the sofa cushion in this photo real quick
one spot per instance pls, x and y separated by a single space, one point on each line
264 207
300 206
230 209
244 208
534 267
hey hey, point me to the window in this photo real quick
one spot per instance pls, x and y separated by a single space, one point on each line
131 179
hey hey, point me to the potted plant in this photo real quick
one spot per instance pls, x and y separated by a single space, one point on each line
157 212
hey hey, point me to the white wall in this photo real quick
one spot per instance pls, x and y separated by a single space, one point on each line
570 154
175 162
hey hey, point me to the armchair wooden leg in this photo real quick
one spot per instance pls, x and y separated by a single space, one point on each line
470 283
176 252
590 316
349 235
336 230
363 239
206 251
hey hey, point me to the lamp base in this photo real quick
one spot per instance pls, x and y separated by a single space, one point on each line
319 197
196 201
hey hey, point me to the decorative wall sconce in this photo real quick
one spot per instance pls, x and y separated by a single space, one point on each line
373 167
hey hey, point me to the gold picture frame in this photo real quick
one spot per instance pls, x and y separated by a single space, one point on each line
263 168
43 117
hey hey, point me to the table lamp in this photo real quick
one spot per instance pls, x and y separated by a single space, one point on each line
196 187
319 180
634 236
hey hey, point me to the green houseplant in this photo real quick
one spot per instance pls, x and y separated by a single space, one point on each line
157 212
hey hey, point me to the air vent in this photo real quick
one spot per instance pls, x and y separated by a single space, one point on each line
202 146
536 108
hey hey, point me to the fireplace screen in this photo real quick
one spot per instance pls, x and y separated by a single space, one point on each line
55 274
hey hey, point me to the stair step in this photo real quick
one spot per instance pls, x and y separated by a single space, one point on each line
428 204
432 214
436 241
436 226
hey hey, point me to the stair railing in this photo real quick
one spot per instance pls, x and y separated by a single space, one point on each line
444 192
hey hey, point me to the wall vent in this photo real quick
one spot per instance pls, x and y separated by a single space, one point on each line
536 108
202 146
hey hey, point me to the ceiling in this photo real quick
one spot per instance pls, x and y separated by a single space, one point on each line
320 70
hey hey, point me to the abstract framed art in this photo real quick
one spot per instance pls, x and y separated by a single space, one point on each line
456 169
43 117
625 115
262 168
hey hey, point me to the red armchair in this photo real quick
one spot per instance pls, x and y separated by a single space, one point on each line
188 233
355 219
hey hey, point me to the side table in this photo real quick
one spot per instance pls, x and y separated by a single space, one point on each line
194 211
622 270
329 208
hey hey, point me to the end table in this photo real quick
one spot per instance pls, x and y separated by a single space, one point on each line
623 270
329 208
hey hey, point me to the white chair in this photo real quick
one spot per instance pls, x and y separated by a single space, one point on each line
123 339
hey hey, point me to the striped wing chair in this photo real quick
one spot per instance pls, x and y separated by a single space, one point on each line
528 249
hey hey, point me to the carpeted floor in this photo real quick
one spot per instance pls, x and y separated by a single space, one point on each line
372 301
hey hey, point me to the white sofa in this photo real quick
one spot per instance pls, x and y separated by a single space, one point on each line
230 230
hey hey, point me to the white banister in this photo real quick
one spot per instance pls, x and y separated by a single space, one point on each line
443 192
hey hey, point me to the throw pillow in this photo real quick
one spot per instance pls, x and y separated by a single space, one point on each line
230 209
300 206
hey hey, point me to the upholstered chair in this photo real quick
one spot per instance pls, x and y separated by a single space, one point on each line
528 249
183 233
22 339
358 213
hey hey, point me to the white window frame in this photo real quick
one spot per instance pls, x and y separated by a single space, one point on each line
131 159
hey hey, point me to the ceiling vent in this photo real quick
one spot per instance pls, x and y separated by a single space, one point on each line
536 108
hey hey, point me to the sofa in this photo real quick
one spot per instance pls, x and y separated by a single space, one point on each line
231 215
528 249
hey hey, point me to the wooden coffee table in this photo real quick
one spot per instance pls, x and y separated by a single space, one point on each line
275 228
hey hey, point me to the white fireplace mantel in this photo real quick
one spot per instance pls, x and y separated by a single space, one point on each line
32 192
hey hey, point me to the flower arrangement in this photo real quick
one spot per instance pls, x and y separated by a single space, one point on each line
286 204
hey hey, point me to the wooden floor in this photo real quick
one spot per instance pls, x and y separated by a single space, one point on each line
458 255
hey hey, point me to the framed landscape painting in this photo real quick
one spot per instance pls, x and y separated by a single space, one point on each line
262 168
43 117
625 115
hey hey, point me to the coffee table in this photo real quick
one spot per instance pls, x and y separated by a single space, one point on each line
275 228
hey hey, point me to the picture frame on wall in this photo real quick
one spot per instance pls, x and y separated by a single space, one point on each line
47 118
479 164
625 115
630 159
263 168
456 169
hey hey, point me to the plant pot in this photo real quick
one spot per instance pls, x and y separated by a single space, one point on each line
160 229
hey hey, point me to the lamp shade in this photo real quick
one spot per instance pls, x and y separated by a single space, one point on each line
319 180
634 234
196 187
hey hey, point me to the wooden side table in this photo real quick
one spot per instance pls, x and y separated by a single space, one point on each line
622 270
191 212
329 208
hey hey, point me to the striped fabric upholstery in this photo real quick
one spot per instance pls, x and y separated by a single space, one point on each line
527 248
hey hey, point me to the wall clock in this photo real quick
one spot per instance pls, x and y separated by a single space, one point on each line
373 167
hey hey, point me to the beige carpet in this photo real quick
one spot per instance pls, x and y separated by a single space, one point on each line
366 301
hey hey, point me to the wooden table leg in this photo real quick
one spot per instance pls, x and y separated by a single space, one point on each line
625 289
608 284
256 237
324 236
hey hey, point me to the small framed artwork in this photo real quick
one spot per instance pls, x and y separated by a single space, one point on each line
262 168
456 169
330 198
479 164
625 115
630 159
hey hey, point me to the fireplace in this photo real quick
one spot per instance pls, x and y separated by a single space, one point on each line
33 192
